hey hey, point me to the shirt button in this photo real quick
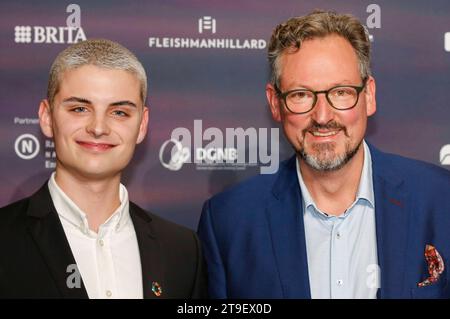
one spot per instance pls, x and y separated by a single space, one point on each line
340 282
338 235
101 243
108 293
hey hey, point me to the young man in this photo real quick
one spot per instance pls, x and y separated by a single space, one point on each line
79 236
340 219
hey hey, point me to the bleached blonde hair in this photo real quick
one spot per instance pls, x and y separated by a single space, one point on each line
99 52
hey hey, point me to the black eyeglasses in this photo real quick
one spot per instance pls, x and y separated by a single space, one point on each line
341 97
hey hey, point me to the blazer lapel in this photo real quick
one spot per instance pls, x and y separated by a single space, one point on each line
392 224
152 259
285 215
45 227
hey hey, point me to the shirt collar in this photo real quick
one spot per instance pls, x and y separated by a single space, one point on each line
70 212
365 189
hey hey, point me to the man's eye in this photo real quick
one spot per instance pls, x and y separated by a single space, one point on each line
344 92
79 109
120 113
299 95
341 92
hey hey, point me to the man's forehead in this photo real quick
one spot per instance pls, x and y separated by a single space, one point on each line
331 59
101 84
332 46
90 70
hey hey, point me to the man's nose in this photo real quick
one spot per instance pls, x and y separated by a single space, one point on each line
322 112
98 126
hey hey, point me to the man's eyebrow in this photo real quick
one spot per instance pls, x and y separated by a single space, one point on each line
125 102
77 99
333 84
86 101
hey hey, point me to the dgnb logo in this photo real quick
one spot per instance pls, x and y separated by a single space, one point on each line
221 152
444 155
207 23
26 146
71 33
179 155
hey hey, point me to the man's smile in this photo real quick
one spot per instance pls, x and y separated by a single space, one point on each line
96 146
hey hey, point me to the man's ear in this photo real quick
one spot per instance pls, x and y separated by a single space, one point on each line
143 127
274 102
371 102
45 118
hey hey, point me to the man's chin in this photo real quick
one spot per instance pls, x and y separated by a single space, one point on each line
323 157
101 172
324 163
93 173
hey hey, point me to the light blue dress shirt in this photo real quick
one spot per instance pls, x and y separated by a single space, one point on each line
342 251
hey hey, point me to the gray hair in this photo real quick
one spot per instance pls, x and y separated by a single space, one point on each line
288 37
99 52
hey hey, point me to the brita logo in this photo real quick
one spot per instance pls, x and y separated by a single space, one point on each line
71 33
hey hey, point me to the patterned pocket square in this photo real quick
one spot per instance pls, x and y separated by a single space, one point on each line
435 266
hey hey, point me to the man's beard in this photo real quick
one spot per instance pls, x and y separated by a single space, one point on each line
323 157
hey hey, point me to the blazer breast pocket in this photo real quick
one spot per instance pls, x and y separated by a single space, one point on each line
439 290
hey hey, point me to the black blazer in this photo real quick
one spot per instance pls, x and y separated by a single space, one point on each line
35 253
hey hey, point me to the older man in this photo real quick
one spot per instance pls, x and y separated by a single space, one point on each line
340 219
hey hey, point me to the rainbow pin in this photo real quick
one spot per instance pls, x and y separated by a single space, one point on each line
156 288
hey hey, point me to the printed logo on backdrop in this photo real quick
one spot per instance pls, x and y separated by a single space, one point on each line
444 155
27 146
234 149
206 25
71 33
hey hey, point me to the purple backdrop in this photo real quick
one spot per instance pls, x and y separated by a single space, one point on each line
222 87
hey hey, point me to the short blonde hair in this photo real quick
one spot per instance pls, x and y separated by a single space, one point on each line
288 37
99 52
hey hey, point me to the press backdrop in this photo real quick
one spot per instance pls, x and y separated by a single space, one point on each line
207 69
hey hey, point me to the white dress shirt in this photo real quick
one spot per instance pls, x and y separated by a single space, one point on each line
108 261
342 251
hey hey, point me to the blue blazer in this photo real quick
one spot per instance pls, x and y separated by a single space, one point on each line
254 241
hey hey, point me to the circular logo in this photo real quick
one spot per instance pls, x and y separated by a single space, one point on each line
178 157
26 146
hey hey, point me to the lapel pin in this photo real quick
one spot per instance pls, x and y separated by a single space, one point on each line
156 288
435 266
